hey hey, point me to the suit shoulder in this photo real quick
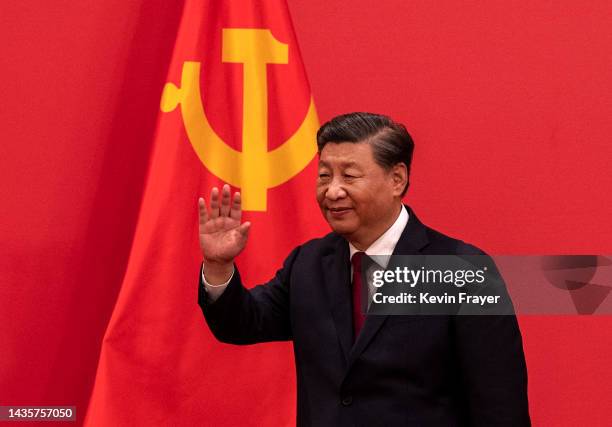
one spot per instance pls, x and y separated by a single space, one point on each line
313 249
322 244
440 243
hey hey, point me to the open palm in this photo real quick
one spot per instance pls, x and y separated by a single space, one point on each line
222 236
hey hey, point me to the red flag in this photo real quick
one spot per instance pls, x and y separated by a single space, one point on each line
236 108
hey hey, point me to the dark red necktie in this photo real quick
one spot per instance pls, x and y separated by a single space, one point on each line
358 317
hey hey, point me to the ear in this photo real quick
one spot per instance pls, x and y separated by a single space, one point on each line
399 175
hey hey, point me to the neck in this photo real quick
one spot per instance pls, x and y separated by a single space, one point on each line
364 240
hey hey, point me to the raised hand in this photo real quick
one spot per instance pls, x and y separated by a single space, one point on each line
222 236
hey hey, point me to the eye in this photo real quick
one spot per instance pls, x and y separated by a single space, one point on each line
323 175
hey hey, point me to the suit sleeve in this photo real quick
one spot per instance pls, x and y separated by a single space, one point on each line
493 370
492 366
249 316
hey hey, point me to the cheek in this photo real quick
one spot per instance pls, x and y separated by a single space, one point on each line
320 193
377 198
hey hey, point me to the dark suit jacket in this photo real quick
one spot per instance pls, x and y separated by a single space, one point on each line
402 370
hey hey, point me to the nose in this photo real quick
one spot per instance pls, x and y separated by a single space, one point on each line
335 191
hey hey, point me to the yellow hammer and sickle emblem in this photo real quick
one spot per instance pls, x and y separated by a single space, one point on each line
255 169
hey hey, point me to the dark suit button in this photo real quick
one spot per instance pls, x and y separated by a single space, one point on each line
347 400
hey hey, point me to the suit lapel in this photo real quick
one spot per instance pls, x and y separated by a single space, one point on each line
411 242
336 273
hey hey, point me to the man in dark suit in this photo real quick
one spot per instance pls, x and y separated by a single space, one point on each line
355 369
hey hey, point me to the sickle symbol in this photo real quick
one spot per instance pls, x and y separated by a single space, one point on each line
255 169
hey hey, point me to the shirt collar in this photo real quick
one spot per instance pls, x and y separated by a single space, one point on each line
385 244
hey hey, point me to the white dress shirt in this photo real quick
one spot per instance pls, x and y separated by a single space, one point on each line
383 247
385 244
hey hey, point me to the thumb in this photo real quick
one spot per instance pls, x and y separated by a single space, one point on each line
244 229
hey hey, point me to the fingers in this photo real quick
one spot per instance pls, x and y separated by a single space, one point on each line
214 203
222 204
203 211
225 201
236 211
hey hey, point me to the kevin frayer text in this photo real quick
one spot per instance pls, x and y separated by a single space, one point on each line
427 298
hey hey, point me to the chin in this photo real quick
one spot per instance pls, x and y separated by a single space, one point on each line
342 228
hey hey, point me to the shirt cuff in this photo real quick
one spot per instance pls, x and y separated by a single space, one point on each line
214 291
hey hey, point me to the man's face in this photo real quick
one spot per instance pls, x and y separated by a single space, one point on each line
358 198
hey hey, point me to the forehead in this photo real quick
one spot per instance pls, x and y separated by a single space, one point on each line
346 154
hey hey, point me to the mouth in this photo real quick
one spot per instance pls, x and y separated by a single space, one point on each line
338 212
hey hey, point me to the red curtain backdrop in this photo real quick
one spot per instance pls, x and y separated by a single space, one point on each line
509 104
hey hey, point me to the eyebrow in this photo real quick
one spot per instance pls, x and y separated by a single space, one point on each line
346 164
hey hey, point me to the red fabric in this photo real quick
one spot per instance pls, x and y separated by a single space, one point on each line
158 360
358 316
508 103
